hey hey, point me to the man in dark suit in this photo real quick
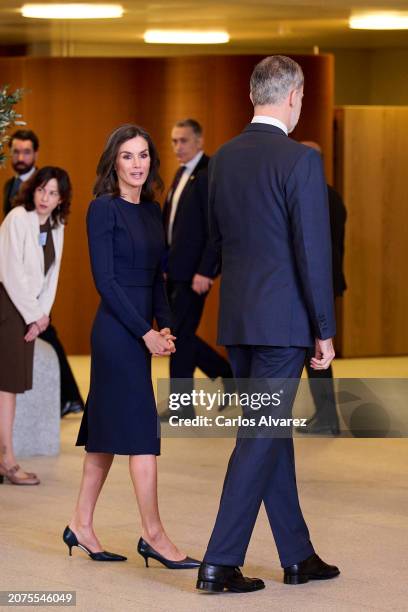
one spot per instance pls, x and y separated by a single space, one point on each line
192 262
269 216
325 419
24 145
23 152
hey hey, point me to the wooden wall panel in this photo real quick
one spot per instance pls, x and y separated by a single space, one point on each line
73 104
372 154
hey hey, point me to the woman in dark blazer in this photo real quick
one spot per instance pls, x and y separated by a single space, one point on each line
126 244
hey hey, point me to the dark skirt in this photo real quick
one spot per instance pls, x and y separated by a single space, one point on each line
16 355
120 415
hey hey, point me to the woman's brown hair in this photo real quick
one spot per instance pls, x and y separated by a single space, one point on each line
25 196
107 179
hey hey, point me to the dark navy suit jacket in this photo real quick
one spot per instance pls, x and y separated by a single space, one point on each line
7 190
191 251
338 216
268 214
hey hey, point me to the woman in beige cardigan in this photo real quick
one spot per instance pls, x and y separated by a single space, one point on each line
31 241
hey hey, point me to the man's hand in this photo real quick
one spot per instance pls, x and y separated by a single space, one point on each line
201 284
324 354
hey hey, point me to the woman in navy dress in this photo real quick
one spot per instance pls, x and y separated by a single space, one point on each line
126 244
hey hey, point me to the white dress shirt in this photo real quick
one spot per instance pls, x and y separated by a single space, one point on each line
175 197
271 120
27 175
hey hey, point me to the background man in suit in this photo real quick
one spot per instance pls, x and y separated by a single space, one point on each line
23 151
325 419
192 262
24 145
268 213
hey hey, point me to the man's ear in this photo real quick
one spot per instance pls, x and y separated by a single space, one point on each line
250 97
292 97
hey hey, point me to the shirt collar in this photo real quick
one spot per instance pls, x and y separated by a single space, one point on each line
271 120
27 175
190 165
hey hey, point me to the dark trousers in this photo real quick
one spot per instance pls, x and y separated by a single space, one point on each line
322 388
261 470
191 351
69 388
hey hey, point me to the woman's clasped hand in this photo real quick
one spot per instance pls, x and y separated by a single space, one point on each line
37 328
160 343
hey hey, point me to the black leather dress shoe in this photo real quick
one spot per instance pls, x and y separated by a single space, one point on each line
316 426
217 578
312 568
71 407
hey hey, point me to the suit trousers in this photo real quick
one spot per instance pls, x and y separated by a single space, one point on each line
69 387
261 469
322 388
187 308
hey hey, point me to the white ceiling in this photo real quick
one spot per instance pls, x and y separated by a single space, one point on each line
254 26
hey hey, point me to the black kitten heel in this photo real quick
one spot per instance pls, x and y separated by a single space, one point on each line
147 552
71 540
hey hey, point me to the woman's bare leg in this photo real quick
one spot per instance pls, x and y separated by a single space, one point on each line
7 416
143 471
95 470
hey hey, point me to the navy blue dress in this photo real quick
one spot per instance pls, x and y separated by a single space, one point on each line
126 244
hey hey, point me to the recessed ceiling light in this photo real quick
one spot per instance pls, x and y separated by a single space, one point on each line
186 37
379 21
72 11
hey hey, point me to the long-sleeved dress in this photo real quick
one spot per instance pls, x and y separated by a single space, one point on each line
126 243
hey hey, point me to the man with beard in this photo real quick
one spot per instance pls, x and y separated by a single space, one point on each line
24 151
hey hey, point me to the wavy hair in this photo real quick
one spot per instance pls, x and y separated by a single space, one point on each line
25 196
107 179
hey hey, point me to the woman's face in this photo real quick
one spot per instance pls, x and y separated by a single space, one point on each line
47 197
133 163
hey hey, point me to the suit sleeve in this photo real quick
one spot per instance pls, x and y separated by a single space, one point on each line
213 227
100 226
161 308
306 193
6 202
338 216
210 262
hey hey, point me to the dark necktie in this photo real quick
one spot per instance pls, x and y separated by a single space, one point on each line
15 187
170 195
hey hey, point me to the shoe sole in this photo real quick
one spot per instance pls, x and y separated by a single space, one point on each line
303 578
216 587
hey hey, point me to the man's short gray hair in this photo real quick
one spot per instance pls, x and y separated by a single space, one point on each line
273 78
191 123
